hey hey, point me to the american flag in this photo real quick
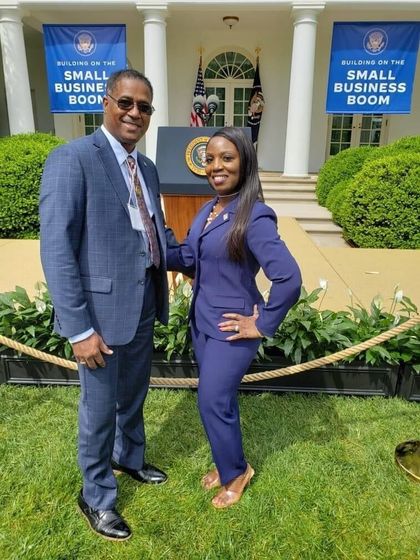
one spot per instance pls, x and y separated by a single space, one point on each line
196 120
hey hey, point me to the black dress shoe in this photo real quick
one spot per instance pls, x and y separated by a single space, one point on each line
148 474
105 522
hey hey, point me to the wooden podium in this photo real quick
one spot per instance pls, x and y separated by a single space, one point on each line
183 184
180 211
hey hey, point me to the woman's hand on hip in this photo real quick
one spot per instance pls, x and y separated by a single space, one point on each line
242 326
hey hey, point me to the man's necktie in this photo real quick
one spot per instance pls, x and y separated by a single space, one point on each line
144 213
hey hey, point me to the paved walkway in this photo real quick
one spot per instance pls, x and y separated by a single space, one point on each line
363 273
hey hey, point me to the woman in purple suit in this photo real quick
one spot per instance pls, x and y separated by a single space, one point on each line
231 238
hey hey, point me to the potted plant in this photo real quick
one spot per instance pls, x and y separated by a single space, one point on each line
308 333
29 321
305 334
173 355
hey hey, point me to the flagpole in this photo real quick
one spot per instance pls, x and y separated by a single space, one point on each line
199 91
257 52
255 103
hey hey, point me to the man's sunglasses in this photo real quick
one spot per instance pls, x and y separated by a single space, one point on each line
126 104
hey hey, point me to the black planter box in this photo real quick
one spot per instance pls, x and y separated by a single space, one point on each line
178 366
355 378
22 370
344 379
2 370
409 387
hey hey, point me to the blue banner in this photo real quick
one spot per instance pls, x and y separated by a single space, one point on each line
80 59
372 67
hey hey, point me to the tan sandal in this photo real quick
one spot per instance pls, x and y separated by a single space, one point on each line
232 492
211 480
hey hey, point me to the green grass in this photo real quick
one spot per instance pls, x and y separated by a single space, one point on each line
326 486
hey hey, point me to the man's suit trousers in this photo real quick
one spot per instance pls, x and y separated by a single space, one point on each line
111 410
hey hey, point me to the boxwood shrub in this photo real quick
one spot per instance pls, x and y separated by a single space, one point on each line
403 145
22 159
336 198
382 203
340 167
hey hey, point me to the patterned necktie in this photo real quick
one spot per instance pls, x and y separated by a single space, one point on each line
144 213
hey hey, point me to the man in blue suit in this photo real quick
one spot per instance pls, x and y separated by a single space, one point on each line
103 246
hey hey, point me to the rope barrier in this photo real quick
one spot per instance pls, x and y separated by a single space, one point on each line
262 376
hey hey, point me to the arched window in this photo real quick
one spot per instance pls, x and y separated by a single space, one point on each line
229 75
230 65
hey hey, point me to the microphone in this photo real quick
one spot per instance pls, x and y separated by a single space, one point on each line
198 104
212 103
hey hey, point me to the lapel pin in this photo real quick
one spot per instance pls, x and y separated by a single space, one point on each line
225 216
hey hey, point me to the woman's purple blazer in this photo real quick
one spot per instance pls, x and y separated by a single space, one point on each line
223 286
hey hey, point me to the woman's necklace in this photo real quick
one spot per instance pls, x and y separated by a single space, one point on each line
213 212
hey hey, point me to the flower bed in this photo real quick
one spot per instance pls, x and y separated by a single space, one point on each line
306 333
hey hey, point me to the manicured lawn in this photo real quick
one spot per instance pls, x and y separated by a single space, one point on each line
326 486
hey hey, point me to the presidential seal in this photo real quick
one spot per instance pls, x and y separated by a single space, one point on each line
84 43
195 154
375 41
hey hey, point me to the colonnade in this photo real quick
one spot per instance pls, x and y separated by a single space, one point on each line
18 93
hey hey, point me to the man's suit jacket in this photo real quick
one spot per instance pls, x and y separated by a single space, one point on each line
223 286
94 262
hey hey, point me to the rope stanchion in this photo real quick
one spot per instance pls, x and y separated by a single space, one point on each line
261 376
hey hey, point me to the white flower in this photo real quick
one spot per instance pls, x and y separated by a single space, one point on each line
40 305
377 301
179 279
398 296
396 320
350 292
186 289
39 286
323 284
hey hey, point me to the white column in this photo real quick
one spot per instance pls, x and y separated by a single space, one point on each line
15 68
156 69
296 162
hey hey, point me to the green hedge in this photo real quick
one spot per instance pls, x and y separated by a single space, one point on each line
347 163
340 167
403 145
352 194
22 159
336 198
382 203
